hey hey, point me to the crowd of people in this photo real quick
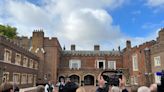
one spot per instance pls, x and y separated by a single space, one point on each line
66 85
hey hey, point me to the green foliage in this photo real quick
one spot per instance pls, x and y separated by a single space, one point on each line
8 31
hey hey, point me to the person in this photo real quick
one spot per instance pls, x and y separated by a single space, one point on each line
70 86
40 88
153 88
143 89
61 84
103 82
6 87
48 87
16 88
80 89
115 89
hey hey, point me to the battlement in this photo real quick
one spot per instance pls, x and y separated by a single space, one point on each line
11 43
38 30
147 43
50 41
38 33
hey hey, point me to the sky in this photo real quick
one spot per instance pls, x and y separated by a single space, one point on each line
85 23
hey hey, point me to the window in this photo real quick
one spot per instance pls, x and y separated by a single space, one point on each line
31 63
135 62
18 59
101 64
135 80
34 83
157 61
7 55
36 65
76 64
132 81
5 77
30 78
157 78
111 64
25 61
24 79
16 78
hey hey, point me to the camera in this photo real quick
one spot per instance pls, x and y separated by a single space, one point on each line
112 77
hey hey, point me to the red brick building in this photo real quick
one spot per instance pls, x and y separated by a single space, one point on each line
157 56
17 64
137 60
84 66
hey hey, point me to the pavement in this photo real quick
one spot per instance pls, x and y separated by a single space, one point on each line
87 89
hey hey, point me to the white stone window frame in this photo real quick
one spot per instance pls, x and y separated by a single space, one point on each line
7 57
5 76
18 60
14 80
77 61
135 80
34 80
36 65
25 61
31 63
109 64
30 78
100 61
22 80
157 61
135 62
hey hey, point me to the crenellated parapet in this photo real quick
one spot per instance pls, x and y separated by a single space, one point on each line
14 45
91 53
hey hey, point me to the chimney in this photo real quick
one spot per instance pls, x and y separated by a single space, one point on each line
119 49
73 47
128 44
96 47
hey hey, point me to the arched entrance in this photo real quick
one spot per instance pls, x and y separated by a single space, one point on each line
88 80
74 78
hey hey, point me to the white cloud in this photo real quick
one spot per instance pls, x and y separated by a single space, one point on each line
81 22
155 3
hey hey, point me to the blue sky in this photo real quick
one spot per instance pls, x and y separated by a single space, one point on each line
138 19
108 23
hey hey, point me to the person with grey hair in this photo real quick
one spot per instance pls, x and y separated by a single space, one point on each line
115 89
153 87
40 88
143 89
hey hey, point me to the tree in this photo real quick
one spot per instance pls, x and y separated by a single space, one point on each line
8 31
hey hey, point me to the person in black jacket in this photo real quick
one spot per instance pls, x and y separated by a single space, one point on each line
104 84
70 86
